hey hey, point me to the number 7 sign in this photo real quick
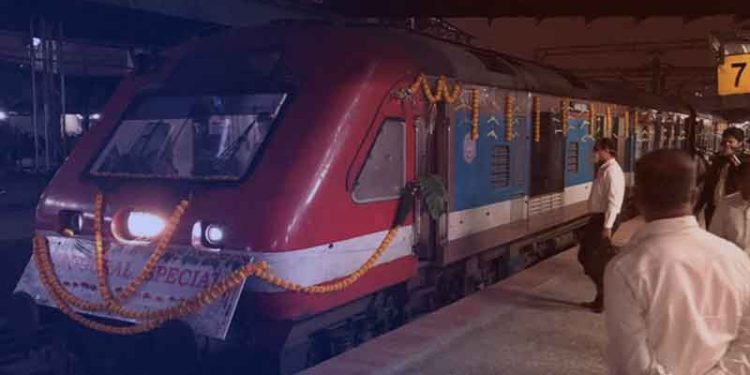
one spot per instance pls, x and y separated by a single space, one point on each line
733 77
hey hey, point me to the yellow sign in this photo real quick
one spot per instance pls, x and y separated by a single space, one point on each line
734 75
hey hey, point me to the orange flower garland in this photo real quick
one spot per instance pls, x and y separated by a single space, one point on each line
442 93
154 318
537 108
509 112
627 123
475 114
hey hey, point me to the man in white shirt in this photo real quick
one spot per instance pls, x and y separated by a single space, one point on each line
677 297
732 217
605 203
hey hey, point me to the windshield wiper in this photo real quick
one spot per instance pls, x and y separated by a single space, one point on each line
231 150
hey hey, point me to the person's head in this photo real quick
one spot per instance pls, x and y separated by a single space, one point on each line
604 149
743 180
665 184
732 140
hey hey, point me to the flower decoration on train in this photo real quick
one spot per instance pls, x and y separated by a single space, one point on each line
537 105
510 109
151 226
445 94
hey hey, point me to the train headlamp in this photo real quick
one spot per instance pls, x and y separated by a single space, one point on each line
71 222
208 236
142 226
214 234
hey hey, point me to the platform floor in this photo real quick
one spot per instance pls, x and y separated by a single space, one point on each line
529 324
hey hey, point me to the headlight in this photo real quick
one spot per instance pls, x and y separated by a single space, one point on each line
214 234
71 222
143 225
208 236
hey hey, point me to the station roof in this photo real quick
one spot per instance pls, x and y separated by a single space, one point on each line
101 22
533 8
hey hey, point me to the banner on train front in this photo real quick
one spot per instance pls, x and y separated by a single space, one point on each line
180 274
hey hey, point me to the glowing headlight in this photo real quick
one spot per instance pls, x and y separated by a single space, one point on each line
208 236
144 225
214 234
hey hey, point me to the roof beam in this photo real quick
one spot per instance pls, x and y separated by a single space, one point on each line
529 8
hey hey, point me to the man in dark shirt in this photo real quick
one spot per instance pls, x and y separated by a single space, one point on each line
721 176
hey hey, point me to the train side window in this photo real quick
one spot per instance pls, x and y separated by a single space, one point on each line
500 168
572 157
382 175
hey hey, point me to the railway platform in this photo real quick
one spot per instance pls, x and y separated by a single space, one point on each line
528 324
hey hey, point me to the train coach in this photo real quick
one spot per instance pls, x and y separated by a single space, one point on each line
294 191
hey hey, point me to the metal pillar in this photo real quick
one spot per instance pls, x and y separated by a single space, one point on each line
61 72
45 92
34 117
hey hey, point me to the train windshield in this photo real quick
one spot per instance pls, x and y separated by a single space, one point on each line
211 137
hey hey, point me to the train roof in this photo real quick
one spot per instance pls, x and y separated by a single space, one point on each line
474 65
483 66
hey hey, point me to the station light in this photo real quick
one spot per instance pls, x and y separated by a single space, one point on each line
3 115
95 116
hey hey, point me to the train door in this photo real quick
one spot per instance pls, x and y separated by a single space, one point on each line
432 128
547 167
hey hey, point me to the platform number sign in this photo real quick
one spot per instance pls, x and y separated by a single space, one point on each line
734 75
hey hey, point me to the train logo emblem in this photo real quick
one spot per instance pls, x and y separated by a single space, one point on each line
470 149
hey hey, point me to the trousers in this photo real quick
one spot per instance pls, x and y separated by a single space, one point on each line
595 252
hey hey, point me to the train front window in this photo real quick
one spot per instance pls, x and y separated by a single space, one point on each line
192 137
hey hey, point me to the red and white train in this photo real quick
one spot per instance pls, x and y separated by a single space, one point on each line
292 146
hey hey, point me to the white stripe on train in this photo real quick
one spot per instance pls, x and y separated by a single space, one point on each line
474 220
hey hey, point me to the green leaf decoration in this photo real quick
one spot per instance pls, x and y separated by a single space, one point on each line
434 195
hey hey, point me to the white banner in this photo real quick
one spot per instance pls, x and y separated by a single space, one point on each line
181 274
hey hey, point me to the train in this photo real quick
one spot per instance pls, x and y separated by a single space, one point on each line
293 191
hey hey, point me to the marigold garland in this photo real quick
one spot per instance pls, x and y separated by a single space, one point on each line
475 114
627 123
443 93
509 112
154 318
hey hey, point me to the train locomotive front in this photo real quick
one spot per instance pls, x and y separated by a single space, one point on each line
292 192
234 151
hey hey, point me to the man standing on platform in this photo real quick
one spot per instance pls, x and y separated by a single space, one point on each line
677 297
605 203
721 177
731 221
